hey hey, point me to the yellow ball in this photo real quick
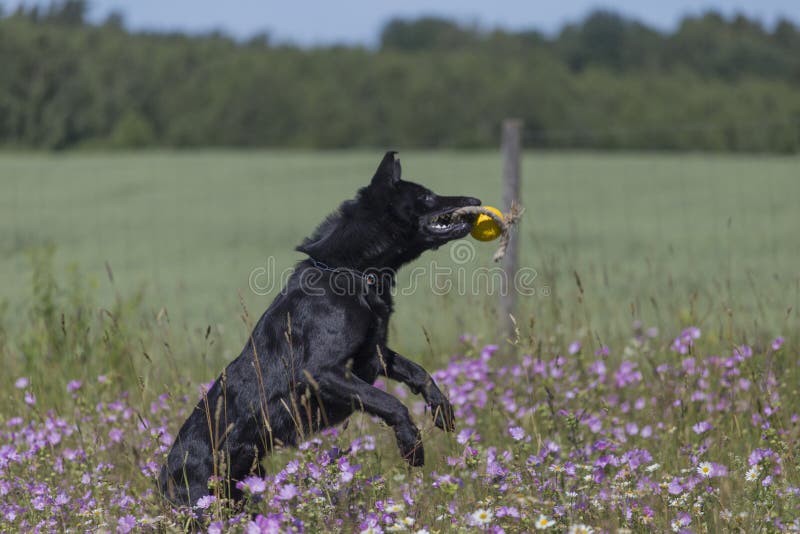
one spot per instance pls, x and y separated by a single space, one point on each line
486 228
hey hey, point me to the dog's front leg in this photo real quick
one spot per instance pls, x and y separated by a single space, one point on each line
419 380
346 388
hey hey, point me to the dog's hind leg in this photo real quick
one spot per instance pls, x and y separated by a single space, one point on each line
413 375
346 388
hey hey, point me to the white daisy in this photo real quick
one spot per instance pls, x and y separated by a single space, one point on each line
543 522
705 469
652 467
481 517
556 468
752 474
580 529
394 508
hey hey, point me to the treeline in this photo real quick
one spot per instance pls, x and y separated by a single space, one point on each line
608 82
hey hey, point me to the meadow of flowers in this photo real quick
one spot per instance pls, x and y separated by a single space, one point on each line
682 433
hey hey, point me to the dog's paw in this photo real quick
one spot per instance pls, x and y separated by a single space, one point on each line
415 456
443 415
410 443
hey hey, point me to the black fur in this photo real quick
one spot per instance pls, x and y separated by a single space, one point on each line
313 356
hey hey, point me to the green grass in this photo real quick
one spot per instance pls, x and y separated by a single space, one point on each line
670 240
647 234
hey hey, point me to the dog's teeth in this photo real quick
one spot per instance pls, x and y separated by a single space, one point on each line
445 221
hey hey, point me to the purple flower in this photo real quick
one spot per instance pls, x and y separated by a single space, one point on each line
348 471
777 343
684 341
205 501
365 443
719 470
14 421
758 455
675 487
487 352
30 398
742 353
684 519
702 426
115 435
517 433
253 484
203 389
465 435
74 385
507 511
602 351
22 382
287 492
574 347
292 467
627 374
268 525
126 524
598 368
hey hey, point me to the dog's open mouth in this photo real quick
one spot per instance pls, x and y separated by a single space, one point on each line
447 222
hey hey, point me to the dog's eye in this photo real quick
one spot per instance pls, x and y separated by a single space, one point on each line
429 200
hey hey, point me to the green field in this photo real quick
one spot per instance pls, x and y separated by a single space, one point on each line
648 234
701 430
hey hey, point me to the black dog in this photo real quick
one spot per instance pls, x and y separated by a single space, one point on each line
315 353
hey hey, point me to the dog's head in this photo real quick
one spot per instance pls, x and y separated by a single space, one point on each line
390 222
425 216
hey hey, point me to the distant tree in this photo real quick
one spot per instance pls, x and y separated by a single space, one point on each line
425 34
605 82
132 130
259 40
68 12
31 14
115 20
607 39
787 35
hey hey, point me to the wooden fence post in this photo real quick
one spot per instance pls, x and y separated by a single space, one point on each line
511 148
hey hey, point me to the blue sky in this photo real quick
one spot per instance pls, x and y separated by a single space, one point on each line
359 21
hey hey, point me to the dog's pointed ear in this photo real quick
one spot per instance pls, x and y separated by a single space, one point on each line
388 172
